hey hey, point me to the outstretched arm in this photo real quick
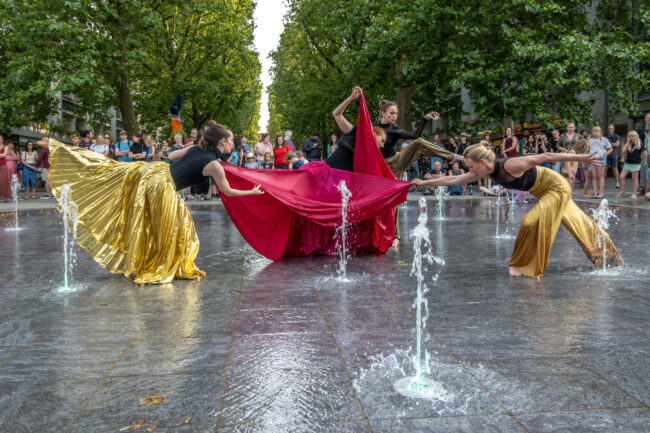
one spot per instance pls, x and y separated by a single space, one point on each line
517 166
341 121
447 180
215 170
178 154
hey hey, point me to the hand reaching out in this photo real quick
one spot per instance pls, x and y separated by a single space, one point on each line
257 190
356 93
432 116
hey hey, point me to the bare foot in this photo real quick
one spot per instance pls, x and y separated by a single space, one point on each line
620 194
633 196
513 272
619 261
395 243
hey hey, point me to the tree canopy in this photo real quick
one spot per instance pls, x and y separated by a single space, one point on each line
518 60
135 55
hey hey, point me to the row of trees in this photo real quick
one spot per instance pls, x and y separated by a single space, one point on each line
135 55
519 60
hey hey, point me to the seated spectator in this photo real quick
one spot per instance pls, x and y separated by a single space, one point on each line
267 162
251 161
292 159
456 171
436 173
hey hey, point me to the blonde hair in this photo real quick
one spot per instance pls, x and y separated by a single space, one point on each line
476 152
597 128
638 139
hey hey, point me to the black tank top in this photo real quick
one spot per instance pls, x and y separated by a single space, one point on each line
506 180
188 170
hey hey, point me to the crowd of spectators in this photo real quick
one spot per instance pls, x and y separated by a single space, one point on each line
624 156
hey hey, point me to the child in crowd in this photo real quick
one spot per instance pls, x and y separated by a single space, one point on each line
267 162
251 161
301 157
635 152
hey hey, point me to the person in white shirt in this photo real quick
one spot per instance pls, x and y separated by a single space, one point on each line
100 146
601 147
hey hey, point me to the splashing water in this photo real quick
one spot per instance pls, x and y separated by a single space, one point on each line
15 187
498 215
601 216
341 232
70 221
419 386
440 204
511 214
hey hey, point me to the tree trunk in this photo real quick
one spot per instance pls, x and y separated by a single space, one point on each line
403 95
126 105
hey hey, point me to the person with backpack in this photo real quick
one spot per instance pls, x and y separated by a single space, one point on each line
123 147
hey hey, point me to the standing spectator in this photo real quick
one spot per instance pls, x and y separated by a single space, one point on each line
636 152
601 147
137 151
5 191
436 142
452 144
28 158
280 151
313 147
530 146
178 142
86 140
612 158
12 160
165 150
644 137
122 148
462 144
585 134
333 144
555 147
100 146
150 149
510 144
288 135
569 138
111 146
251 161
263 147
522 141
244 144
267 162
194 137
43 161
542 146
76 141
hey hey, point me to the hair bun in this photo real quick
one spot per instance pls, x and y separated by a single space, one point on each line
212 124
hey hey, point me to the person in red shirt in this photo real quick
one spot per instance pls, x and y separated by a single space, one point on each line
44 162
510 144
280 151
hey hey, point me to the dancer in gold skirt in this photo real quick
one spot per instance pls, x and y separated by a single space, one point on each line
554 206
131 219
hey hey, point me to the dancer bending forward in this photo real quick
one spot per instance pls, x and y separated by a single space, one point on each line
554 206
131 219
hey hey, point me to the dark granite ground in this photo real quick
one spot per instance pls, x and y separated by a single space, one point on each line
283 347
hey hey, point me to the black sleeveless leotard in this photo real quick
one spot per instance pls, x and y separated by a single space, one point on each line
506 180
188 170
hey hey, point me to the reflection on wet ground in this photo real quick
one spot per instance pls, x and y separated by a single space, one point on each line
284 347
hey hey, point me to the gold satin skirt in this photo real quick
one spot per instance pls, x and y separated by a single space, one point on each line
131 220
540 225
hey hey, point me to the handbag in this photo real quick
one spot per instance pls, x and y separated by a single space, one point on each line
20 165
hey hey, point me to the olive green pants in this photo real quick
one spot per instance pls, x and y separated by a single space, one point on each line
402 161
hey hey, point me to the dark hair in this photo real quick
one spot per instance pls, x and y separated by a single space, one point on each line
314 134
139 135
276 141
85 133
213 134
385 105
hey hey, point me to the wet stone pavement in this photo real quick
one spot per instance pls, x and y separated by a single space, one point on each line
261 346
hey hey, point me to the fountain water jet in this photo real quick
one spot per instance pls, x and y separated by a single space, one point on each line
419 386
70 213
15 187
440 205
601 216
341 232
